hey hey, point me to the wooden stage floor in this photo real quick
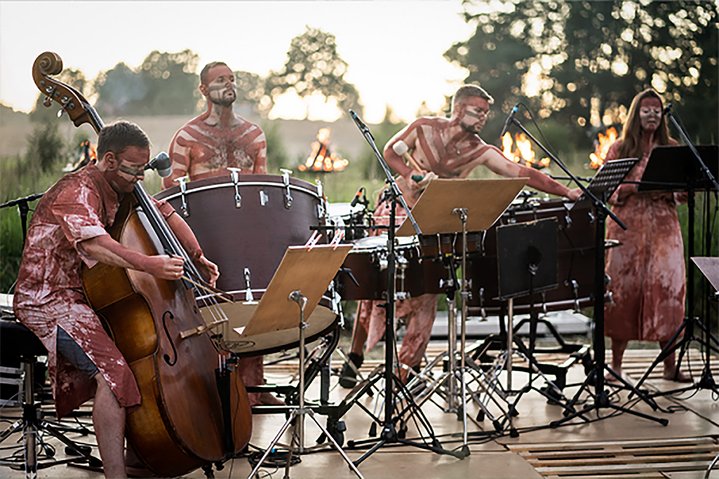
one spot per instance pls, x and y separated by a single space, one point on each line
618 445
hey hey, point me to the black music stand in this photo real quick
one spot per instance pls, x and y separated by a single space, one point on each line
527 264
670 168
602 186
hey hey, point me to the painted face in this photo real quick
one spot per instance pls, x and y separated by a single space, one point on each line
650 113
221 88
474 114
131 164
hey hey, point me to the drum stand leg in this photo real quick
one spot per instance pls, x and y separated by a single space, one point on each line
297 415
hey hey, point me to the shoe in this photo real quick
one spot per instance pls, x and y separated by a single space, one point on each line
348 376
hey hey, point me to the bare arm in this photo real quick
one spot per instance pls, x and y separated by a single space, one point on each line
499 164
192 246
395 161
260 164
180 155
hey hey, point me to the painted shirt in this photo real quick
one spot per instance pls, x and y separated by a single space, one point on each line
202 150
49 292
647 268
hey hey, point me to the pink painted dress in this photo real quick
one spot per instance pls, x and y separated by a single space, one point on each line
647 269
49 292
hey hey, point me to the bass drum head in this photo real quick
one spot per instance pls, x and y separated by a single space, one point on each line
239 314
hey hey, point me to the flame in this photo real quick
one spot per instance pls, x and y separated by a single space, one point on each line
322 159
601 147
522 151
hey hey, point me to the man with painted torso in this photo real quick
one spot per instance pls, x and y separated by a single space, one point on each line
205 147
445 148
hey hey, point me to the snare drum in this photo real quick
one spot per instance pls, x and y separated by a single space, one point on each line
244 224
367 263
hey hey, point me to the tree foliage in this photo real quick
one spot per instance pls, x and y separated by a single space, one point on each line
165 83
314 66
588 59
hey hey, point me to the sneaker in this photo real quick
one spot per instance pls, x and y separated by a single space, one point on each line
348 376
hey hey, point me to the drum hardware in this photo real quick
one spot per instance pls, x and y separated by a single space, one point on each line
182 182
286 180
249 298
23 344
235 176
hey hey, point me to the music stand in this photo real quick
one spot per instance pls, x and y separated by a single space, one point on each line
529 248
670 168
603 185
458 206
302 277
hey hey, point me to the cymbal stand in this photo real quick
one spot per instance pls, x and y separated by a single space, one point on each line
297 415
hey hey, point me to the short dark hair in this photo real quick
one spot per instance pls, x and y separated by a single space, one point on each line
206 70
466 91
120 135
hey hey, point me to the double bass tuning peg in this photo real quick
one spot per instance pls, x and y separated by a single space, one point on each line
47 102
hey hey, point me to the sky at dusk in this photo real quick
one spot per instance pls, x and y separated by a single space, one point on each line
394 48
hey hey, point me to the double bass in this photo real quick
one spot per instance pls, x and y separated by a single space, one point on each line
194 410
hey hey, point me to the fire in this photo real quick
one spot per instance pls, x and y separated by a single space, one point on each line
520 150
601 147
322 159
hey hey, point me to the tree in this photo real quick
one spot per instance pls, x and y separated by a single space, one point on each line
119 90
588 59
171 81
314 66
165 83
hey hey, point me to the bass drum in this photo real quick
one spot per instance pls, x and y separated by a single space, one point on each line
244 225
575 261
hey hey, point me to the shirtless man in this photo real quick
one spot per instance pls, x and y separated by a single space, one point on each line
209 143
444 148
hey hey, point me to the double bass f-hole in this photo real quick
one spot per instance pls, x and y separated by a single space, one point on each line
171 361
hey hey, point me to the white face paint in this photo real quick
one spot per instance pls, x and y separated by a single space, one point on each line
650 113
221 87
475 114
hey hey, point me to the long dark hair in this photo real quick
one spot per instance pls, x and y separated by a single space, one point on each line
632 133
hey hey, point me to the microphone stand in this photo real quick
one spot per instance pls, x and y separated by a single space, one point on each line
595 373
389 432
24 209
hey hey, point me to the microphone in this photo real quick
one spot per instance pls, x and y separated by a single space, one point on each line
668 108
360 124
357 197
162 164
515 109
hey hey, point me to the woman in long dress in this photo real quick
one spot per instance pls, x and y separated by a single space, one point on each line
647 269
